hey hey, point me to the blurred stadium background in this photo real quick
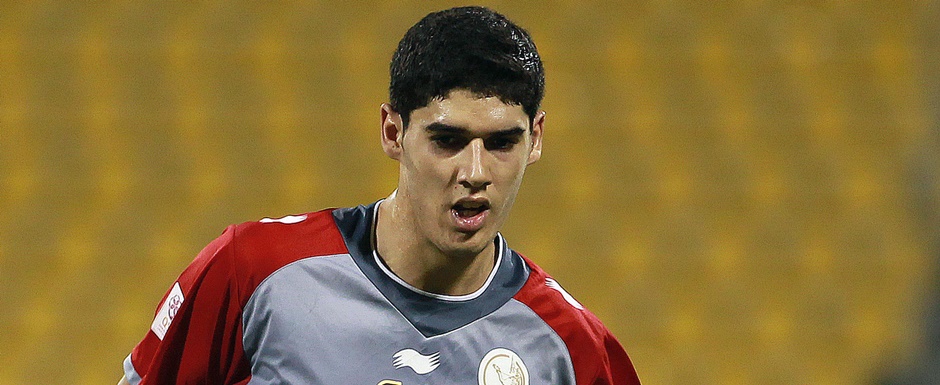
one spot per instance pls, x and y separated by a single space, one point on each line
746 192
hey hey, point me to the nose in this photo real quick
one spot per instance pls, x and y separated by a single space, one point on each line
473 173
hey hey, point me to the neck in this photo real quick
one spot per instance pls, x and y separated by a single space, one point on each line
419 262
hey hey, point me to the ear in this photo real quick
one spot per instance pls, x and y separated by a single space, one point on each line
538 125
392 132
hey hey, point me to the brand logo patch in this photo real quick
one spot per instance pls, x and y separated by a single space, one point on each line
418 362
287 220
502 367
173 303
568 298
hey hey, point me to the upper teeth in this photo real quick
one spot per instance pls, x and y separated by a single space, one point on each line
471 205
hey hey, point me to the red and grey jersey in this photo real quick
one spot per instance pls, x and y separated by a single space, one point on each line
307 300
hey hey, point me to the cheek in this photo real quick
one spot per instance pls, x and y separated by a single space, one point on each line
510 180
426 171
512 169
439 174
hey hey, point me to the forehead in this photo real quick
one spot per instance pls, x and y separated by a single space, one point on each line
461 108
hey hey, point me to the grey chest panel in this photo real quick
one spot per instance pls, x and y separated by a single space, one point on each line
321 321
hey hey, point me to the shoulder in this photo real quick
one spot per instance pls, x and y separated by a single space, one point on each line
547 298
293 236
247 253
594 352
262 247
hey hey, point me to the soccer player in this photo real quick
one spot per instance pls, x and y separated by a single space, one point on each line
417 288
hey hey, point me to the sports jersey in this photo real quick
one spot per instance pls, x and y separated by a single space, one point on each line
307 300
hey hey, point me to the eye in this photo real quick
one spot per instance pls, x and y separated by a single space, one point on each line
450 142
501 143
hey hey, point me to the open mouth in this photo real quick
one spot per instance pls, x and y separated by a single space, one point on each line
467 209
469 214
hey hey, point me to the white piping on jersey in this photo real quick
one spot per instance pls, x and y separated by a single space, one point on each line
444 297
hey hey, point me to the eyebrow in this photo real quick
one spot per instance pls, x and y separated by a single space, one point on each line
441 128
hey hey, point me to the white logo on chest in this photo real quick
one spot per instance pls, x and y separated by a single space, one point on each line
421 364
502 367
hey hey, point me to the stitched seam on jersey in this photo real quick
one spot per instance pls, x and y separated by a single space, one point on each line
233 254
563 342
265 280
233 260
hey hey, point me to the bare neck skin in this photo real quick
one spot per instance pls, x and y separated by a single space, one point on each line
420 263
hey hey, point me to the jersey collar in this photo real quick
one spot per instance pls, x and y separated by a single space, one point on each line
430 313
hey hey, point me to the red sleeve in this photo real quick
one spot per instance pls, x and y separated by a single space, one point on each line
619 369
200 323
596 356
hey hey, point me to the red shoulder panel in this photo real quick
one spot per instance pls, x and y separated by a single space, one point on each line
596 355
263 247
201 337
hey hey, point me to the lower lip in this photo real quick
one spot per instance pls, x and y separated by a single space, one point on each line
469 224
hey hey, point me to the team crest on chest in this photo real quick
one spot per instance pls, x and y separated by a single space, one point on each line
502 367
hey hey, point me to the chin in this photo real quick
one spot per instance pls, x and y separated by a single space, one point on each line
467 245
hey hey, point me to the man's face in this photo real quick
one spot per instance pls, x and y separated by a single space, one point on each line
462 159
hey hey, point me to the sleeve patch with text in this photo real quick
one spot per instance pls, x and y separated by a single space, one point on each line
167 311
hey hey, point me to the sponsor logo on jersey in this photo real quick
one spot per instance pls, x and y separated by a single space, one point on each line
502 367
418 362
287 220
551 283
173 303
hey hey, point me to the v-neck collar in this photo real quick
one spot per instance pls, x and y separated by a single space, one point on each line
431 314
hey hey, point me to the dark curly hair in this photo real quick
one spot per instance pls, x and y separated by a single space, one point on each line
472 48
